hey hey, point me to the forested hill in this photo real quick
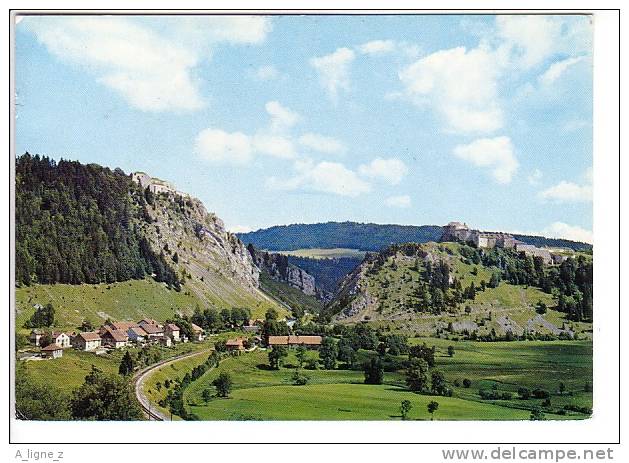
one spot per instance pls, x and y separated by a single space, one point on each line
78 223
365 236
352 235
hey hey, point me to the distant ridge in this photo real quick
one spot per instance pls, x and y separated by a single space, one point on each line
365 236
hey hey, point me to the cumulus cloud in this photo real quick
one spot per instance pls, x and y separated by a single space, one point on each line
218 146
390 170
321 143
569 232
566 192
334 70
460 85
555 70
494 153
377 47
402 201
281 117
324 177
150 63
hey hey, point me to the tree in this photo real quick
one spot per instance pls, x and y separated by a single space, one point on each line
206 395
374 371
347 353
276 356
438 383
524 393
562 388
43 317
405 408
467 383
223 384
540 308
432 408
537 414
451 351
301 354
126 364
328 353
86 325
104 397
299 379
417 375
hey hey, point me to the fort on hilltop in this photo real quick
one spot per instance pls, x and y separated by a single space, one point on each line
457 231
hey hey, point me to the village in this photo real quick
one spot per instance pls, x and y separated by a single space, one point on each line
117 335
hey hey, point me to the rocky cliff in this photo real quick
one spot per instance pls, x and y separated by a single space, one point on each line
212 263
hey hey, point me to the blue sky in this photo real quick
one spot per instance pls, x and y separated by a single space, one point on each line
300 119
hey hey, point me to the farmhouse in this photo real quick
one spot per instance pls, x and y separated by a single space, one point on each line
137 334
251 328
115 338
291 341
172 331
197 333
60 339
153 331
87 341
52 351
236 344
35 336
123 326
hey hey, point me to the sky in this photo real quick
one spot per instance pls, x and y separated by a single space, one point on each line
269 120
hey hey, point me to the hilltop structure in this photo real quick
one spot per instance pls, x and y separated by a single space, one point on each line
155 185
457 231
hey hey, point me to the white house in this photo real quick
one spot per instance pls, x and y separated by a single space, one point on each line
197 333
172 331
60 339
52 351
88 340
35 336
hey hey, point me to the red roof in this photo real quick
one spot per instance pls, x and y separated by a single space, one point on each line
172 327
152 329
51 347
295 340
117 335
196 327
90 336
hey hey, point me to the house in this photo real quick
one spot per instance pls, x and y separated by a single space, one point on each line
251 328
52 351
172 331
291 341
115 338
137 334
165 341
147 321
235 345
36 336
123 326
197 333
153 331
89 340
60 339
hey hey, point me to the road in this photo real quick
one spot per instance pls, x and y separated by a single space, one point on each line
150 410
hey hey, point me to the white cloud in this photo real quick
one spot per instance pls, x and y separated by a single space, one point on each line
239 228
402 201
325 177
569 232
274 145
267 72
151 63
495 153
460 85
529 40
556 69
281 117
565 192
535 177
390 170
321 143
377 47
218 146
333 70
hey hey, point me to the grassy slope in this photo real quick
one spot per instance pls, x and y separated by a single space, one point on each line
340 394
288 295
129 300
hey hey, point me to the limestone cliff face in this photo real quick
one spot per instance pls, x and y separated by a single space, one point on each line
278 267
213 263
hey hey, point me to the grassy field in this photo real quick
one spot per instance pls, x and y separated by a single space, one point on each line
321 253
261 393
129 300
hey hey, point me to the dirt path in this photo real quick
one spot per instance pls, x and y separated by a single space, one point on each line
150 410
